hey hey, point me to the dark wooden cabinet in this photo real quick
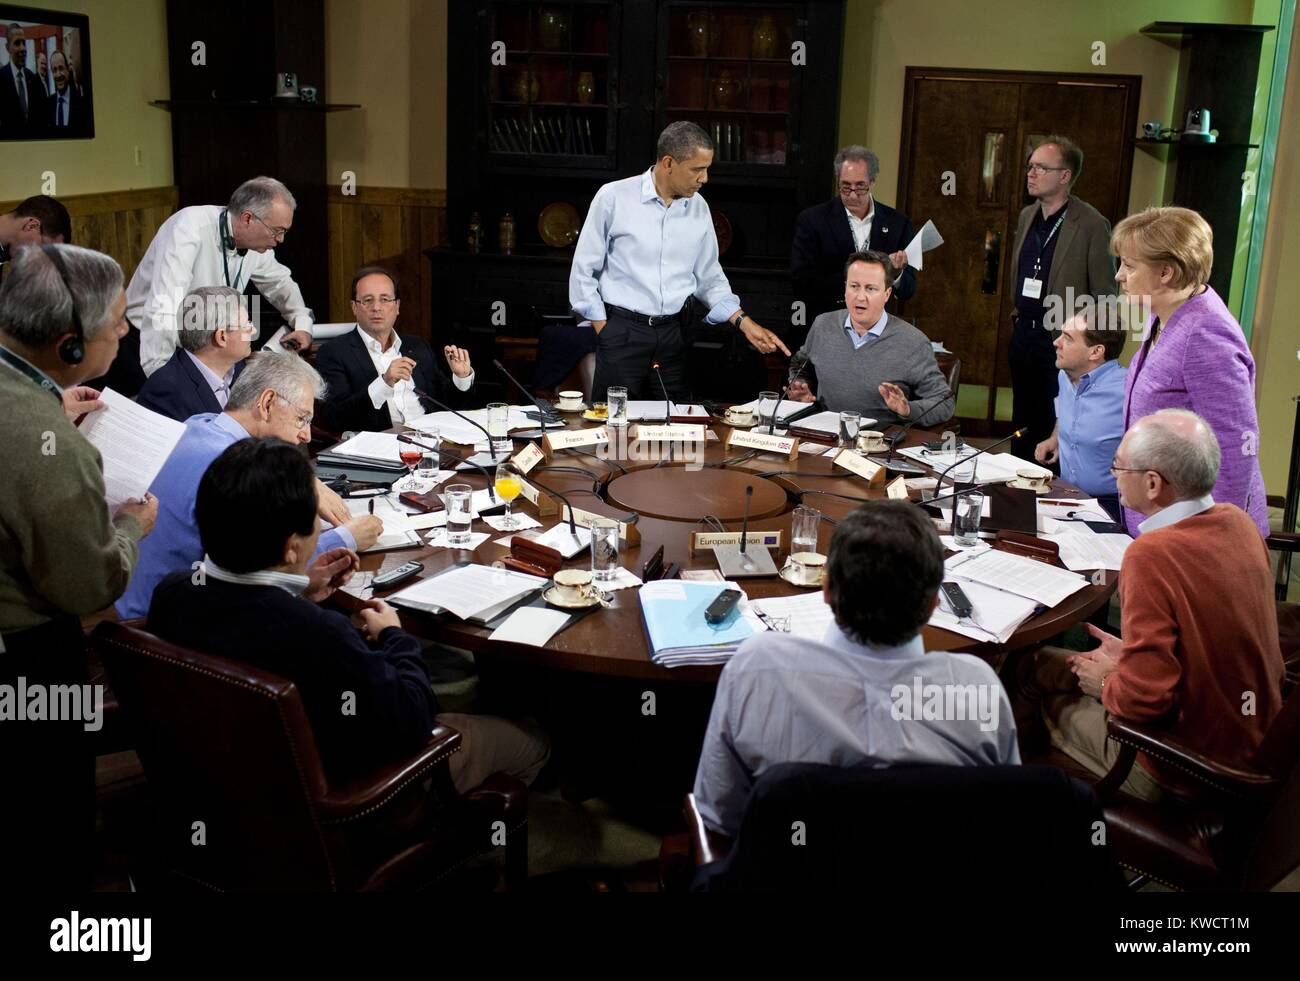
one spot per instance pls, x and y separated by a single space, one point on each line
548 102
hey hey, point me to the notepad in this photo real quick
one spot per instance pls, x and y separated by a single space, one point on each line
477 593
673 614
1025 577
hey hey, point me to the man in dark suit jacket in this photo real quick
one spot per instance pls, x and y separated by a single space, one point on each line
375 375
23 101
215 339
826 234
256 603
68 114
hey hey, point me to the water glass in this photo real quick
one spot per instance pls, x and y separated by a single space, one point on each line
767 405
460 514
498 427
850 424
431 457
805 523
616 399
604 554
967 512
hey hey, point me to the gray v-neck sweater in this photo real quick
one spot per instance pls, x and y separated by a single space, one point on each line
849 379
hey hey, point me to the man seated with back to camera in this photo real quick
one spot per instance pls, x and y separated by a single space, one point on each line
869 361
849 700
273 397
255 603
215 338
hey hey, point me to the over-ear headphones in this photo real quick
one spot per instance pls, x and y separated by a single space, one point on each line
72 350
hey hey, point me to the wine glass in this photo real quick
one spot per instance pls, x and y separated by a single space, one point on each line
507 487
411 458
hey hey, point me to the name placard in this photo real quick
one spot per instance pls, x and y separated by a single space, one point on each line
574 438
626 532
786 446
669 434
545 504
860 465
708 539
897 489
528 457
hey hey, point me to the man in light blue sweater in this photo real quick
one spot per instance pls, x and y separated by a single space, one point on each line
869 361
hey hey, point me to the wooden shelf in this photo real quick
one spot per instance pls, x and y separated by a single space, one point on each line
286 105
1146 142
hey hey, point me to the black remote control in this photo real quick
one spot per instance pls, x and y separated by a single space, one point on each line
721 607
393 576
942 446
957 599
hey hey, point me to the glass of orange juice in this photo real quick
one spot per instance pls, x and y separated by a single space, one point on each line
507 487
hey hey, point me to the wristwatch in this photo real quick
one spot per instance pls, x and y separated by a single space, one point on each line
738 319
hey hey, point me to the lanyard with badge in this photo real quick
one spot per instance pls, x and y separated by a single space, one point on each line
227 241
23 368
1033 288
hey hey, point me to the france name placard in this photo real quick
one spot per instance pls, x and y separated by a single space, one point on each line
574 438
787 446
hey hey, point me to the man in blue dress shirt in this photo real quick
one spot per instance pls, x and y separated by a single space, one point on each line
1089 406
272 397
868 694
646 247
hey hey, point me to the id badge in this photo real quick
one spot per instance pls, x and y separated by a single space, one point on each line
1033 288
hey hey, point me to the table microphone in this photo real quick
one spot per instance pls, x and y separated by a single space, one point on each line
1006 439
459 415
542 415
744 525
668 412
518 471
403 438
785 390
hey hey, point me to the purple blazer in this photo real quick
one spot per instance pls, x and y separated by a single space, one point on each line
1202 363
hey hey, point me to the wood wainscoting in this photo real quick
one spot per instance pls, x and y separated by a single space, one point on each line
389 227
118 223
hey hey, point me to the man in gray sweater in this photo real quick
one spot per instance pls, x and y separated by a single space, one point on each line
869 361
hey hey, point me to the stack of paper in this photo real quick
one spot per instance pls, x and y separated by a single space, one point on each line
1016 574
398 531
989 468
806 615
472 592
133 442
827 422
461 429
654 409
380 447
995 614
673 613
1090 550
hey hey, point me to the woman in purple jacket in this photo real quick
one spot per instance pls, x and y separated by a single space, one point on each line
1193 354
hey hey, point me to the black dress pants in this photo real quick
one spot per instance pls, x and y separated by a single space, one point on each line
48 818
1033 387
625 350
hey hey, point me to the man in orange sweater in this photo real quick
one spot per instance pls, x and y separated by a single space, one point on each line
1200 654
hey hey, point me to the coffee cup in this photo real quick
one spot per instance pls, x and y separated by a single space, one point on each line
806 568
573 585
736 415
570 400
1034 479
871 441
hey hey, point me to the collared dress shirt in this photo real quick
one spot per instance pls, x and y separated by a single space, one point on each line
784 699
291 583
1090 424
187 253
403 404
220 384
174 544
648 256
873 333
1175 513
861 228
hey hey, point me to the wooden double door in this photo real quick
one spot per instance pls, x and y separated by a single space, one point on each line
966 137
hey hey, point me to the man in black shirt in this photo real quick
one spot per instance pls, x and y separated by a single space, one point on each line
1061 255
366 692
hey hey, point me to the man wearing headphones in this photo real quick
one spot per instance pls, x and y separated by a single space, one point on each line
62 554
209 245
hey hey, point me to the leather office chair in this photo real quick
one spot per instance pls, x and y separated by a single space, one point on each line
230 760
1239 833
950 368
906 825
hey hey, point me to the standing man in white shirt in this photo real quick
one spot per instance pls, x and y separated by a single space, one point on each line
646 247
210 245
378 378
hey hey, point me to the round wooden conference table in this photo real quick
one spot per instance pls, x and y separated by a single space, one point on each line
671 498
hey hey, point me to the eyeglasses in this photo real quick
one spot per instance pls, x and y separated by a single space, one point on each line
303 418
1117 469
858 189
276 231
373 301
1037 168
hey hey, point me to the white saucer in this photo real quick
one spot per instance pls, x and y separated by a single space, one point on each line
560 408
740 425
587 414
552 596
1040 491
801 585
